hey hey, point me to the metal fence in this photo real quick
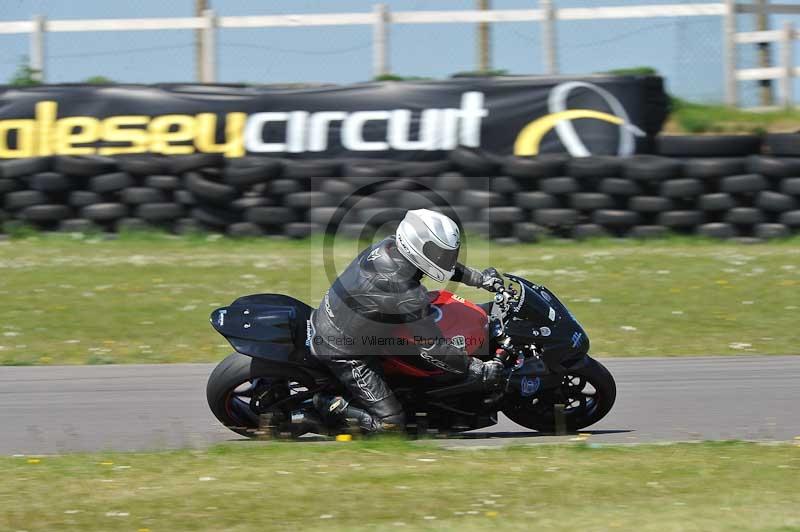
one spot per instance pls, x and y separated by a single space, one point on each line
382 20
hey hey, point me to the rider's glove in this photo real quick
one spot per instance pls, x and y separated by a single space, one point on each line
489 373
491 280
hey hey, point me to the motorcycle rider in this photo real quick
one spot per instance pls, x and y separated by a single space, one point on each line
376 293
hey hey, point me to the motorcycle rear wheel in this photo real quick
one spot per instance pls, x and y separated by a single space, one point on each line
236 395
588 393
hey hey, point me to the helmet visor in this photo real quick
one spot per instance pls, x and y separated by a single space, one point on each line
443 258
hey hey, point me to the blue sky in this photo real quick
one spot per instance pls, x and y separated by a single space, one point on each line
687 51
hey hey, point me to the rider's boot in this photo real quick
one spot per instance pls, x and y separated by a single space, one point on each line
386 415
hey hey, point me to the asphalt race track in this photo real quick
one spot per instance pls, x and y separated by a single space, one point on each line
96 408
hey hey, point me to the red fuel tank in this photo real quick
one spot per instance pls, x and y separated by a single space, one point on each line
462 322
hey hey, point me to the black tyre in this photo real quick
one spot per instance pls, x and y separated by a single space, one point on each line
770 231
275 216
649 231
230 394
381 216
708 145
50 182
504 185
556 217
208 190
308 200
502 215
131 225
104 212
159 212
215 217
559 185
681 219
85 166
179 164
719 230
77 225
82 198
184 197
9 185
713 168
588 394
791 219
529 232
473 162
590 201
775 167
336 188
113 182
24 198
791 186
650 204
423 199
775 202
45 213
242 204
281 187
531 168
615 186
594 167
536 200
326 215
422 168
245 177
451 181
718 201
460 214
584 231
650 168
783 144
364 202
682 188
244 229
615 219
301 229
24 167
744 216
142 166
742 184
306 169
140 195
163 182
481 199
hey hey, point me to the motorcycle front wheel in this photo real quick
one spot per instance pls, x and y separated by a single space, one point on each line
587 393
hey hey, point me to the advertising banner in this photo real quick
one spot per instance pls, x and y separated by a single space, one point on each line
392 120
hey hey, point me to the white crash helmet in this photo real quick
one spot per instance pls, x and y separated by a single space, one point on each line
430 241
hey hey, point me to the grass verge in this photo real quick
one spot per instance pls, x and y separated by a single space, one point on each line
689 117
396 484
146 298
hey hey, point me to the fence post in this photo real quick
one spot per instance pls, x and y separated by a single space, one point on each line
549 37
380 41
729 53
36 59
209 47
787 62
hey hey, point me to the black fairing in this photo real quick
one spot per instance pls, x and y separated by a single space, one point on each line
539 318
266 326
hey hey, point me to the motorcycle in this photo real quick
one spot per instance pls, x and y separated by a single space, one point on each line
265 388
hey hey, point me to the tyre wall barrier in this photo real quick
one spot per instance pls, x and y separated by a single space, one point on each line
509 199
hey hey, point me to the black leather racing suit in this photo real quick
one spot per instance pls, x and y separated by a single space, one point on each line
358 321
